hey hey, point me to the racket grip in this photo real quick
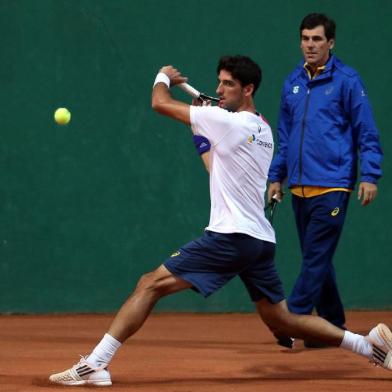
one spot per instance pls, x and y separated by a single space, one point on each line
189 90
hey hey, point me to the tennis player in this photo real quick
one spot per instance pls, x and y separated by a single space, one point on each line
239 240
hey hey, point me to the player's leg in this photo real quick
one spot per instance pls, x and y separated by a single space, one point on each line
131 316
205 264
150 288
282 322
377 346
262 281
265 289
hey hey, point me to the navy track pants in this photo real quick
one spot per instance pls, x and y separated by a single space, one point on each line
319 222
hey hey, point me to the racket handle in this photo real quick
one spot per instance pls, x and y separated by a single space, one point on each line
189 90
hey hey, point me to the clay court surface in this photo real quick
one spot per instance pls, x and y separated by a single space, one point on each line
184 353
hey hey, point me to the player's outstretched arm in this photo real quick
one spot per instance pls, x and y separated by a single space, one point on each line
162 101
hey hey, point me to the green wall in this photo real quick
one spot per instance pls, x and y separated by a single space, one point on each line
87 208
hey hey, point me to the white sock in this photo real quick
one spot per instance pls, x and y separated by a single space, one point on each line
104 351
357 344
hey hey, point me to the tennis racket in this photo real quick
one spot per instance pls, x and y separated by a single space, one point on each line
271 208
196 93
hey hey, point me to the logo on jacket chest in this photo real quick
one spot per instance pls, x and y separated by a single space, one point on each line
329 90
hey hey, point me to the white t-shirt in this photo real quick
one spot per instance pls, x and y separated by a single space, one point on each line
240 156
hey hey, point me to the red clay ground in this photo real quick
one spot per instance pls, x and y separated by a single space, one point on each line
184 353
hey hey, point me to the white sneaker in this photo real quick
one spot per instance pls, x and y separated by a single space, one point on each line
381 339
82 374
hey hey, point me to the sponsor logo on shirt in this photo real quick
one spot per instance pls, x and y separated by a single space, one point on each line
257 140
296 89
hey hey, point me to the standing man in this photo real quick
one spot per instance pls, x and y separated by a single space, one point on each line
325 125
239 241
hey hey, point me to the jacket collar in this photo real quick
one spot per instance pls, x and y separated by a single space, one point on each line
301 71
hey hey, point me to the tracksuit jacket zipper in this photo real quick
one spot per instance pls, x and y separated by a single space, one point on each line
302 135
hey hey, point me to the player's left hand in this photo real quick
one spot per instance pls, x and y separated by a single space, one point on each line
367 192
174 75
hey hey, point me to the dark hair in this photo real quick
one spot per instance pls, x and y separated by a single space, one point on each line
313 20
241 68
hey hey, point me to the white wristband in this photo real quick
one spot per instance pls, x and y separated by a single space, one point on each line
162 78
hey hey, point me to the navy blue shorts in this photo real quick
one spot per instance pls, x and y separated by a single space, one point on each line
212 260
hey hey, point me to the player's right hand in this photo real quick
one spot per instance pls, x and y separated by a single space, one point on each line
200 102
275 189
174 75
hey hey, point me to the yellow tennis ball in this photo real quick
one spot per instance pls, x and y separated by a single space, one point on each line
62 116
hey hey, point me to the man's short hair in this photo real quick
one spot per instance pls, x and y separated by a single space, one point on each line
311 21
242 68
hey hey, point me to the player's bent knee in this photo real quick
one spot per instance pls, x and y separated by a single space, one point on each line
146 282
158 283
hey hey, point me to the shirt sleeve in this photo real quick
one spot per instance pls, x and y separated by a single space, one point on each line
213 123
